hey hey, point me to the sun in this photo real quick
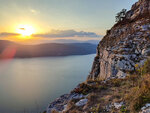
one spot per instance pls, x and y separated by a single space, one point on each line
25 30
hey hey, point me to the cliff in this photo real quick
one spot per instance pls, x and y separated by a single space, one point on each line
119 80
126 44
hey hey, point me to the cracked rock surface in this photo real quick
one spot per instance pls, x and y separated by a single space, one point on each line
126 44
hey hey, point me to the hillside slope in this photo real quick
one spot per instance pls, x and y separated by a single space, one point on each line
125 44
119 80
128 95
44 50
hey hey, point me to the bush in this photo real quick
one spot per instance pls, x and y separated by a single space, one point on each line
123 109
139 92
116 82
96 109
140 95
90 87
84 89
102 87
108 32
121 15
145 69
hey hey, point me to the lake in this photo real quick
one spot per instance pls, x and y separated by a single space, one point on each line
28 85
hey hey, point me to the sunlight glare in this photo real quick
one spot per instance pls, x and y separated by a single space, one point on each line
25 30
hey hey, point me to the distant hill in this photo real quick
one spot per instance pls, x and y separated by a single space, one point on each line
75 41
45 50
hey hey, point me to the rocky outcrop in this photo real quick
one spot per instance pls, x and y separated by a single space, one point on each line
145 109
125 45
60 104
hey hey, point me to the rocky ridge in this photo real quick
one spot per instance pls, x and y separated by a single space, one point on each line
125 45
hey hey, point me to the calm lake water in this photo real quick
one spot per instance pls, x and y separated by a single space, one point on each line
28 85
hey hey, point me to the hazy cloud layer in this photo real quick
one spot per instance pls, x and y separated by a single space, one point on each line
57 34
68 33
6 34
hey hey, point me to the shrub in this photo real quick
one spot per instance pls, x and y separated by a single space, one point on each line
96 108
145 69
84 89
108 32
116 82
93 98
139 92
140 95
123 109
121 15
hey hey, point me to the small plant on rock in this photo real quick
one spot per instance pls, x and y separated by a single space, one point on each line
121 15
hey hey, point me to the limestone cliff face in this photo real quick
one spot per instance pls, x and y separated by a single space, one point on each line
125 45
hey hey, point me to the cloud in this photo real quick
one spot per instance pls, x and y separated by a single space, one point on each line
57 34
6 34
67 33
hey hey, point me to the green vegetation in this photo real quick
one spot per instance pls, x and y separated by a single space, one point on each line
96 109
123 109
116 82
139 93
145 69
91 86
121 15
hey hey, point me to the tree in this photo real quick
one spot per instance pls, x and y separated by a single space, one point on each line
121 15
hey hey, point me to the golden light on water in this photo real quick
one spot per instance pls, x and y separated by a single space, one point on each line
25 30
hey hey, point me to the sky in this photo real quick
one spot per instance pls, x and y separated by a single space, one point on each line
51 19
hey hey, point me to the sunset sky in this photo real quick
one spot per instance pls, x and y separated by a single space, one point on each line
58 19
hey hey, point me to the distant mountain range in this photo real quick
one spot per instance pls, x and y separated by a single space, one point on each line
75 41
8 48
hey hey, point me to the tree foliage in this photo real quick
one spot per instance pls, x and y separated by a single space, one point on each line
121 15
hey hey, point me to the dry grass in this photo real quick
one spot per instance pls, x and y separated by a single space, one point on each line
139 95
134 90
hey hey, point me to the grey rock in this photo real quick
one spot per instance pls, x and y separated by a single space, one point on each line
127 44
